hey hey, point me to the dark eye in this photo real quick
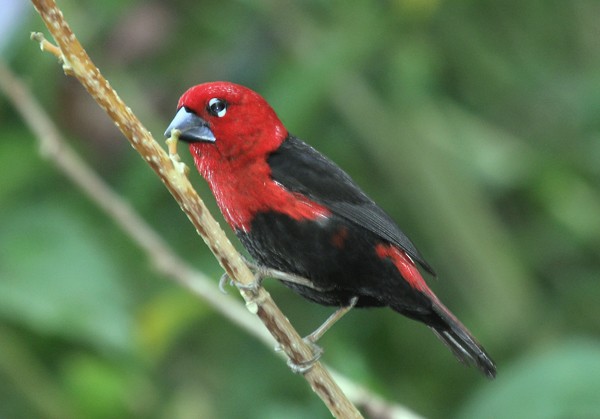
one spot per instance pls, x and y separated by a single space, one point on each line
217 107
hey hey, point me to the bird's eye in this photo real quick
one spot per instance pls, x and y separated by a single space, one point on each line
217 107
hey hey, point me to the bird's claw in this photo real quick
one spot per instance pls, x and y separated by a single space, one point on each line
302 367
223 282
252 286
262 272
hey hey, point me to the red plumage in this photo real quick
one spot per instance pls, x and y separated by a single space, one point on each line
297 212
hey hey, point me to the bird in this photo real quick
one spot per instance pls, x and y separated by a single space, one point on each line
303 219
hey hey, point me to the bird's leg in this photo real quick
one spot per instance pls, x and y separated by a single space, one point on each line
305 366
331 320
253 286
262 272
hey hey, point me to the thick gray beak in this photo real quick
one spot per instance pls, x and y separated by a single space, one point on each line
192 127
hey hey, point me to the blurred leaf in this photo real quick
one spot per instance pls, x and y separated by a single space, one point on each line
561 383
99 389
190 402
55 278
162 319
572 201
24 376
19 170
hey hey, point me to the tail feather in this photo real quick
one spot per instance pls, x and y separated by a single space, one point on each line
443 323
460 341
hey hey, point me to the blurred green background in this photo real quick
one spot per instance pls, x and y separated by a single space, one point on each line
476 124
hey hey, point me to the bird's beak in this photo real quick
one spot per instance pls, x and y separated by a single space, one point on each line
192 127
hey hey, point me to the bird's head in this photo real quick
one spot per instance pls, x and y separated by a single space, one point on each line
226 121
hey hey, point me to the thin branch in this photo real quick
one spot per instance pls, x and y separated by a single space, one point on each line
77 62
46 46
54 147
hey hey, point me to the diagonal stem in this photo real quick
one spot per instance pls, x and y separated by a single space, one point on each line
260 302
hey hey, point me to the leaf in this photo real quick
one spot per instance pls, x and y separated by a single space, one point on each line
57 278
99 389
563 382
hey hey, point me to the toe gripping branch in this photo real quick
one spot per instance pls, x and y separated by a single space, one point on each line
311 340
304 366
260 273
252 287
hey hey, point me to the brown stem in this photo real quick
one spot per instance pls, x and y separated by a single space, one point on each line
77 62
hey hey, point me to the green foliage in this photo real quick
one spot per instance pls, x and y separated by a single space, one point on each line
56 279
473 123
558 383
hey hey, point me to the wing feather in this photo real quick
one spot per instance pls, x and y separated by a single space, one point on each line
302 169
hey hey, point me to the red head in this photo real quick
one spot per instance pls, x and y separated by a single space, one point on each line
226 121
231 131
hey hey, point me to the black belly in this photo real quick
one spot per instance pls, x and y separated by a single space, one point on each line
337 257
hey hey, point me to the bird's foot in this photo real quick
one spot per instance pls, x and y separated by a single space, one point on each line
331 320
224 281
252 286
262 272
302 367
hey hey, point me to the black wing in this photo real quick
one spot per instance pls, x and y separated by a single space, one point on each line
302 169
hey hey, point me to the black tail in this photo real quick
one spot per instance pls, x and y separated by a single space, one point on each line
460 341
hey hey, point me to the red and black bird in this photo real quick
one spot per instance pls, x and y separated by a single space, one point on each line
297 212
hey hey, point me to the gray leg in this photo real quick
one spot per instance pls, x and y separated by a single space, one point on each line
303 367
262 272
331 320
